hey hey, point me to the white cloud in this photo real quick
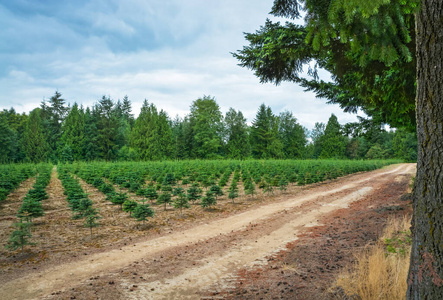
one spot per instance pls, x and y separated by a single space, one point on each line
169 52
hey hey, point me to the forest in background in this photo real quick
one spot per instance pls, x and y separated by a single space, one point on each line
58 132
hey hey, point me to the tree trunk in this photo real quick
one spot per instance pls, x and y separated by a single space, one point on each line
426 270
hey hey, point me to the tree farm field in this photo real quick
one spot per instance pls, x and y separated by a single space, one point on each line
191 229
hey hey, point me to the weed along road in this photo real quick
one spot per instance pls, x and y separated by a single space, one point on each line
180 263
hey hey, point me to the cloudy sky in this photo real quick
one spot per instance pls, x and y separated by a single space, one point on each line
170 52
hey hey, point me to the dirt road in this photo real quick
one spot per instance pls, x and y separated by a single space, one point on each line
180 264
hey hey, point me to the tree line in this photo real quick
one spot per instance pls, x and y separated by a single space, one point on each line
109 131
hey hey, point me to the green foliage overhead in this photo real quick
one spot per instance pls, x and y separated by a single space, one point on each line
367 46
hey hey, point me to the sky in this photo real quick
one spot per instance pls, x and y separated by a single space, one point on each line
170 52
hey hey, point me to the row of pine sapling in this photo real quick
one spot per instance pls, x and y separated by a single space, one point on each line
200 178
31 208
11 176
78 201
139 211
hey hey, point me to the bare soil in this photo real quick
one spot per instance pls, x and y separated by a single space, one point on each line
284 246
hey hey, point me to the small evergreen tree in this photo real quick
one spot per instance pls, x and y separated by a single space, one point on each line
169 179
181 202
119 198
209 200
129 206
30 209
142 212
91 219
177 191
216 191
283 183
82 208
233 192
151 193
164 198
194 192
20 237
250 188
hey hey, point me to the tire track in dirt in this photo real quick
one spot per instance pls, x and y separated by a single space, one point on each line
68 275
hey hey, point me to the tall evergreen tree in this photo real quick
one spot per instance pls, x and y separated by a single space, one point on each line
8 141
333 141
53 115
122 111
151 135
292 136
237 144
108 128
73 130
264 139
17 123
127 111
317 134
178 138
90 149
164 132
207 126
34 140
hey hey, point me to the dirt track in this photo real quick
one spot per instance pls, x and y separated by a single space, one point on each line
181 264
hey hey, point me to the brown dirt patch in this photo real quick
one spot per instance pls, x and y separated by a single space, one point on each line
178 256
309 266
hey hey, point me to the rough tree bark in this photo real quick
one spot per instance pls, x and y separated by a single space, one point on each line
426 270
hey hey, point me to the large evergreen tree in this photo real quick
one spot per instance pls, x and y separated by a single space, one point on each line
178 129
333 142
73 129
264 138
207 126
375 73
90 149
34 140
151 136
426 269
292 136
108 126
237 139
17 123
53 114
8 141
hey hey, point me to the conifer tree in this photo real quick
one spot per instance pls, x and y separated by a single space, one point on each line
90 149
264 139
20 237
129 206
73 129
206 121
237 137
8 140
164 198
108 128
333 141
142 212
208 200
181 202
34 139
91 217
292 136
152 135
